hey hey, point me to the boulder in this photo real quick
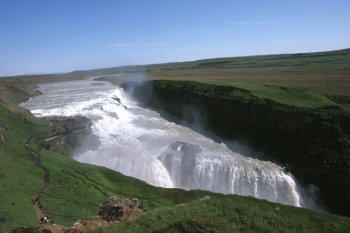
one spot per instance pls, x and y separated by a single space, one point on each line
119 209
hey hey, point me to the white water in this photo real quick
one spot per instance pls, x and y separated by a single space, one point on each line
138 142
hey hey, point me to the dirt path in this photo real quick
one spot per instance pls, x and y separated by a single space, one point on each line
79 225
40 213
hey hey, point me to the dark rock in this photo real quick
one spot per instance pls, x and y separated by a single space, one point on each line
119 209
186 154
68 134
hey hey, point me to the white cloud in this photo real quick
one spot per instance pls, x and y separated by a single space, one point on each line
123 45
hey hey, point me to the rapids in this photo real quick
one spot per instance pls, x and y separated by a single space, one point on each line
138 142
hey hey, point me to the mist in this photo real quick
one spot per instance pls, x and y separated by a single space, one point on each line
141 142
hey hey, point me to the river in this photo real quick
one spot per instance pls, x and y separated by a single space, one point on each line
139 142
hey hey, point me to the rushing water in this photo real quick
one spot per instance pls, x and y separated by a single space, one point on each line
138 142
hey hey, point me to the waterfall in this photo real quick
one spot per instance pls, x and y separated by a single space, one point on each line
189 168
138 142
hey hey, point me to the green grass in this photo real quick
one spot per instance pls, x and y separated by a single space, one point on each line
19 178
339 59
232 214
249 92
292 96
326 73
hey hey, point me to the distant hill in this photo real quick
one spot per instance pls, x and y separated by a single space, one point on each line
327 73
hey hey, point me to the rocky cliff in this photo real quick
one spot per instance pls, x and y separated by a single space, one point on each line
313 143
70 134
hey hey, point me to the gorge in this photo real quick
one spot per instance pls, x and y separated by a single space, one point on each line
138 141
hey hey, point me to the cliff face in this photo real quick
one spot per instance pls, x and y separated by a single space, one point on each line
314 144
70 134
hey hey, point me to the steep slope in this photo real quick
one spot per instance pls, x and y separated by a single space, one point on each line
229 214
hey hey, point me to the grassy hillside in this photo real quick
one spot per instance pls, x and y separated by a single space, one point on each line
320 60
76 190
288 96
19 178
231 214
291 96
327 73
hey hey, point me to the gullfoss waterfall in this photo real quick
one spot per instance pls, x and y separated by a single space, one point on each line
138 142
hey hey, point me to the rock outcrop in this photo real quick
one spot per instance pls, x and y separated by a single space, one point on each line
119 209
114 210
67 134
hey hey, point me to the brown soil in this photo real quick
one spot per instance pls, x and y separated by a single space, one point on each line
78 227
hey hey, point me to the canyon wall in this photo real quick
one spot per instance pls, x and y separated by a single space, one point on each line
313 143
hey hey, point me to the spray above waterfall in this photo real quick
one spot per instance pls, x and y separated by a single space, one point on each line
139 142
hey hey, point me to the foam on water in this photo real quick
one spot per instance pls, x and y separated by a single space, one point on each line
138 142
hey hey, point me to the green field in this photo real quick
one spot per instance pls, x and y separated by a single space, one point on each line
326 73
321 60
291 96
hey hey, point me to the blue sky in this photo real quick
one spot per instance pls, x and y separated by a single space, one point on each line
43 36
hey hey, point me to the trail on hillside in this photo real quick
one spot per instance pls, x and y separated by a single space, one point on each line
36 156
42 215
